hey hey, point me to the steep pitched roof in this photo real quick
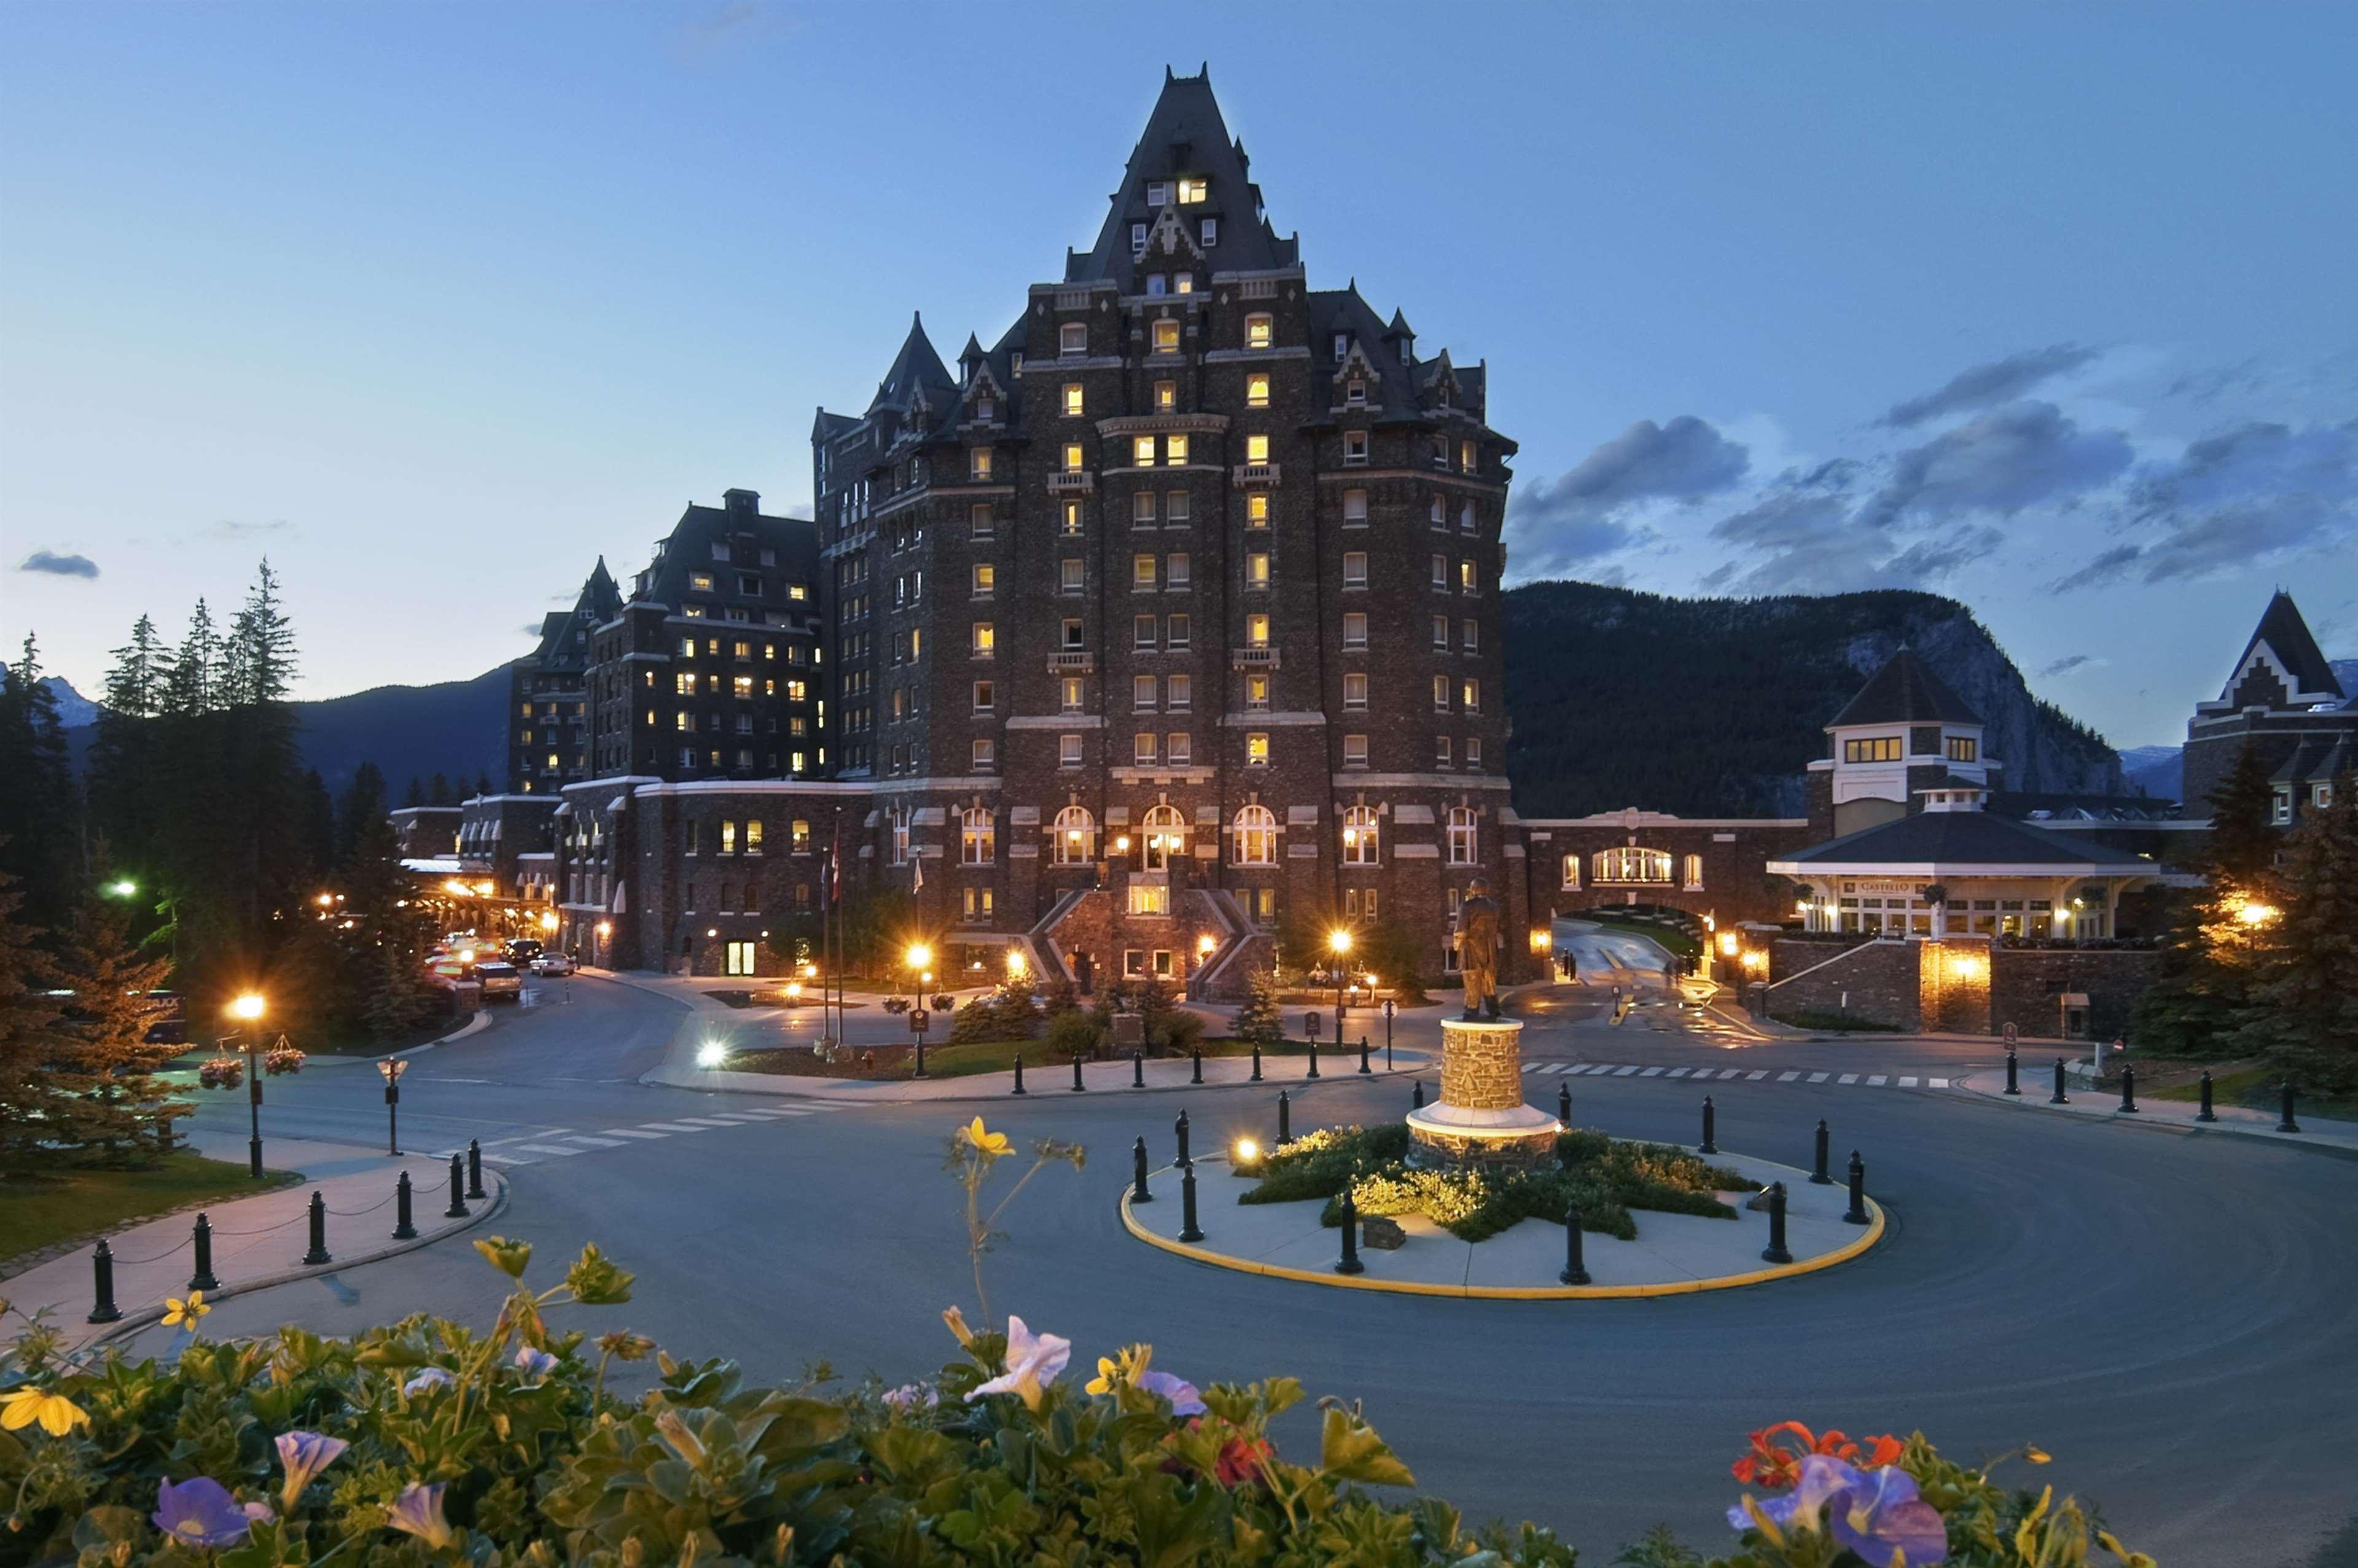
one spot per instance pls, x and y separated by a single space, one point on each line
915 368
2292 650
1904 692
1955 841
1186 135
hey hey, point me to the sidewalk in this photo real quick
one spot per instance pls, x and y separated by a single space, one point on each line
257 1241
2169 1114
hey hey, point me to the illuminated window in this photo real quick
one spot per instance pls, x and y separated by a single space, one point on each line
1256 569
1166 336
1071 520
1257 631
1175 451
1873 749
701 582
1466 579
1360 843
1070 695
1964 749
1191 191
1258 331
742 686
1073 456
1625 864
1467 456
1441 694
978 463
1256 509
1694 877
1142 572
1255 840
1148 898
1073 399
977 840
685 684
1257 390
1166 396
1074 838
1470 695
1463 839
986 638
1256 691
1354 629
986 579
1256 740
1141 452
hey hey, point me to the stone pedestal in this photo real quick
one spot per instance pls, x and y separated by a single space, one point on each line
1481 1122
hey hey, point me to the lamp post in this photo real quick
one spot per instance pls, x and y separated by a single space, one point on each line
1339 942
391 1068
918 956
248 1010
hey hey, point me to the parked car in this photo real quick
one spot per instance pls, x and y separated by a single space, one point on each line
552 964
523 950
500 980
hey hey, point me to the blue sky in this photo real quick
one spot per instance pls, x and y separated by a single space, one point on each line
2046 307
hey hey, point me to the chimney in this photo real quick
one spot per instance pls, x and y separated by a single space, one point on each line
742 502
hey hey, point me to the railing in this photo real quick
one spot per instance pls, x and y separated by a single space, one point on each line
1071 481
1253 659
1071 663
1255 473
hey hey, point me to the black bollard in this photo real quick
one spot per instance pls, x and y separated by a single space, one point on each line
1138 1069
202 1280
1350 1263
1313 1057
1858 1214
1416 1099
1364 1070
1775 1252
1179 1128
1284 1119
1138 1192
2206 1114
475 1170
1564 1104
1194 1064
2288 1124
2013 1072
2128 1088
1710 1118
405 1228
319 1253
1188 1230
1575 1270
1256 1077
1077 1084
102 1269
2059 1097
1818 1177
1019 1074
458 1209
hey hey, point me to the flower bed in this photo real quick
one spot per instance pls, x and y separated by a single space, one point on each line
1604 1177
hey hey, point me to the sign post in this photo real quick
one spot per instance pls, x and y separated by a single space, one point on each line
919 1021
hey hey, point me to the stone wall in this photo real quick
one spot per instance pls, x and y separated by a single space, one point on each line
1481 1066
1954 986
2027 985
1730 854
1878 981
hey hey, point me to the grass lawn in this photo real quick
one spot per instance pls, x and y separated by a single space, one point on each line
895 1062
42 1213
1677 941
2260 1088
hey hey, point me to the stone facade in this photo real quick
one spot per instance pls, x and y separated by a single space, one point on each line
1962 985
1704 866
1481 1069
2028 987
1880 982
1481 1122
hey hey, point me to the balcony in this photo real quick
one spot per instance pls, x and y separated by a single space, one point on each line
1249 474
1071 481
1253 659
1072 662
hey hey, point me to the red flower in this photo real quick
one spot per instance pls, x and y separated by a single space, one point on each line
1241 1459
1771 1465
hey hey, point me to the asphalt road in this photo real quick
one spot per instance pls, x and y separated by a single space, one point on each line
2172 1317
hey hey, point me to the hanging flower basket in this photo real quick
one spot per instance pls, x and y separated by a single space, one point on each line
222 1072
286 1059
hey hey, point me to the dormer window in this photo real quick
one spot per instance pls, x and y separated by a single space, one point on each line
1158 193
1137 241
1073 339
1166 336
1258 331
1191 191
1157 285
1342 346
1355 395
1211 233
984 408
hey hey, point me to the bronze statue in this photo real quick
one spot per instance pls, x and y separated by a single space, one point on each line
1477 950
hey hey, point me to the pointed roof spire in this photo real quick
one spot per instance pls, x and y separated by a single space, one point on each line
2294 651
1400 327
1904 691
915 368
1184 136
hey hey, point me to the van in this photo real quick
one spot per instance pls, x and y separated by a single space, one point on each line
500 982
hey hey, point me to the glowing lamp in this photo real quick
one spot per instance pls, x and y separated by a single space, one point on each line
711 1053
487 889
794 991
1338 941
1730 943
2255 914
712 931
466 955
1543 939
1121 843
326 900
123 889
1205 943
919 955
1247 1151
247 1007
1015 963
605 928
548 920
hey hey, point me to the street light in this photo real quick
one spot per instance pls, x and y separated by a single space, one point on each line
123 888
548 920
248 1009
916 957
391 1068
1339 942
2255 914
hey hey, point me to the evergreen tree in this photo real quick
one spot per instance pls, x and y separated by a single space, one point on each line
1259 1021
125 768
385 944
2306 1002
1391 953
483 785
319 825
108 1107
2202 992
364 801
414 796
27 1038
439 792
187 685
38 806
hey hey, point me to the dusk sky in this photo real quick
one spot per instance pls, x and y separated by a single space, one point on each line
2051 308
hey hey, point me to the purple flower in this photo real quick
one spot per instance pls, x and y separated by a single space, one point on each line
303 1454
1185 1399
1876 1513
428 1378
911 1397
200 1512
418 1512
535 1363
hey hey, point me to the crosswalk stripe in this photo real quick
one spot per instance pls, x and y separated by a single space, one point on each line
1877 1080
1787 1078
503 1160
1588 1068
1754 1078
1908 1083
633 1132
707 1122
1937 1083
1623 1072
672 1127
1678 1072
1818 1078
1847 1079
551 1149
1651 1073
595 1143
1731 1073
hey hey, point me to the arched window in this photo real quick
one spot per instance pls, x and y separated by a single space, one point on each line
1360 845
1463 842
977 841
1165 835
1627 863
1256 837
1075 836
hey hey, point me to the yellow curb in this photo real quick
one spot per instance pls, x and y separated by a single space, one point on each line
1873 1234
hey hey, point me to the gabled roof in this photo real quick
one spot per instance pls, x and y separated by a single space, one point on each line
1186 135
915 368
1904 692
2292 650
2320 761
1954 842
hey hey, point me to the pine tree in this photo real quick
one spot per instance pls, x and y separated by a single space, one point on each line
414 796
125 775
2202 993
1259 1022
364 801
2307 1002
27 1040
39 804
187 684
318 825
386 943
439 793
109 1109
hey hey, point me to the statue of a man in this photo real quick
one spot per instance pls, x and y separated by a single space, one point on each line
1477 950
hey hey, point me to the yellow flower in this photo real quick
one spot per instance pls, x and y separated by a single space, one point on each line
1108 1373
957 1320
1127 1367
27 1404
179 1314
2036 1455
986 1142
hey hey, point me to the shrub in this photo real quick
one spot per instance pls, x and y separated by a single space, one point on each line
1259 1022
1177 1033
1072 1034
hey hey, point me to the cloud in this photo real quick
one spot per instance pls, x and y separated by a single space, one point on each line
2002 462
2252 492
232 528
1987 385
59 566
729 25
1585 512
2065 666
